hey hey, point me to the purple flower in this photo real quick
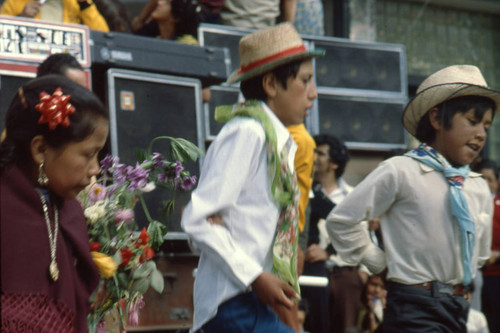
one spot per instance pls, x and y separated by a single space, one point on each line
97 193
133 311
108 162
124 215
158 160
178 168
161 177
120 174
138 178
188 183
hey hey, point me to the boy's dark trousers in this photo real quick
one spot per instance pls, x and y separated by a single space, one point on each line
245 313
437 307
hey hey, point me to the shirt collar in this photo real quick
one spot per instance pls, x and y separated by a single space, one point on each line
426 168
282 134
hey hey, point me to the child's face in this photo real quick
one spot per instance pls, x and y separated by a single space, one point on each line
491 179
375 286
291 105
71 167
465 139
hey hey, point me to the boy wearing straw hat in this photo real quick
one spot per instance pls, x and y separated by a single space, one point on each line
248 190
435 214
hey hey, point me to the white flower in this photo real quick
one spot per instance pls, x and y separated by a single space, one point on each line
95 212
149 187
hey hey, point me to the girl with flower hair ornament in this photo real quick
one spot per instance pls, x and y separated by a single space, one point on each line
55 130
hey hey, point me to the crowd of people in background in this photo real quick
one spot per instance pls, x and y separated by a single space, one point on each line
184 15
370 277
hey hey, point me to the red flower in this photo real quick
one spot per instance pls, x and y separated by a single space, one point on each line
148 253
126 256
143 238
55 109
95 246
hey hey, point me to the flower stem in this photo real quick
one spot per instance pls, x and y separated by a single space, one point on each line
145 208
156 139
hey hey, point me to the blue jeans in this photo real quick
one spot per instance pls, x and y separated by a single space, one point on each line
246 314
414 310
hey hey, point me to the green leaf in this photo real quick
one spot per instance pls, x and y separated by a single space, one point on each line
141 154
167 207
141 286
143 270
157 230
122 280
117 257
183 150
157 281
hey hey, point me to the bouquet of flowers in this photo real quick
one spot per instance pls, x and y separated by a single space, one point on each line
120 250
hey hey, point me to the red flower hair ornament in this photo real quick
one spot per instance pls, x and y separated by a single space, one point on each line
55 109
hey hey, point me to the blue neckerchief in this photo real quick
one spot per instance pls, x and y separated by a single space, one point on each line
455 177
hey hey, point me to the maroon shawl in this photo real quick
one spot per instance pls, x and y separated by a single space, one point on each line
31 301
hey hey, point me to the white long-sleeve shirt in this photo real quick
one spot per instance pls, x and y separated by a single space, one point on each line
233 183
421 237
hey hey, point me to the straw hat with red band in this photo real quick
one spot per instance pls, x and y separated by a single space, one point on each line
266 49
448 83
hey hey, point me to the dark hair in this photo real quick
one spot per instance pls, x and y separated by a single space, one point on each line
252 88
58 63
188 13
487 164
115 13
337 151
21 120
446 110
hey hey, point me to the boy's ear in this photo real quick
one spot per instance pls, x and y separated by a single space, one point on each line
38 148
270 85
434 118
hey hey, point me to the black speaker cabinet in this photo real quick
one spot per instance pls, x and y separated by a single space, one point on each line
225 37
219 95
12 76
368 68
146 105
363 123
124 50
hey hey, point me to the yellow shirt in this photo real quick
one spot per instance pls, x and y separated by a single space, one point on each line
304 162
90 16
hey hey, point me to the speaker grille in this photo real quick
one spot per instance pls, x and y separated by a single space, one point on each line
162 106
219 96
348 66
8 89
355 120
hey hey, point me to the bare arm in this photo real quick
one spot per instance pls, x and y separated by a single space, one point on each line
288 7
31 9
143 17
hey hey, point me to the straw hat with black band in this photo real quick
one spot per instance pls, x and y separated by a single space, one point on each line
448 83
266 49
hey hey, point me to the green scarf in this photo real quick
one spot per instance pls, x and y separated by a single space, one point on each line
284 190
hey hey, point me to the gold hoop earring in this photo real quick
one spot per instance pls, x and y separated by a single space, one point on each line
43 180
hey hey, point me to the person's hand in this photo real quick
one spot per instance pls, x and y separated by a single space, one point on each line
136 23
276 293
383 298
273 291
363 276
31 9
215 219
495 255
315 253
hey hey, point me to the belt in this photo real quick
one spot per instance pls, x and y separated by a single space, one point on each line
443 288
338 269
